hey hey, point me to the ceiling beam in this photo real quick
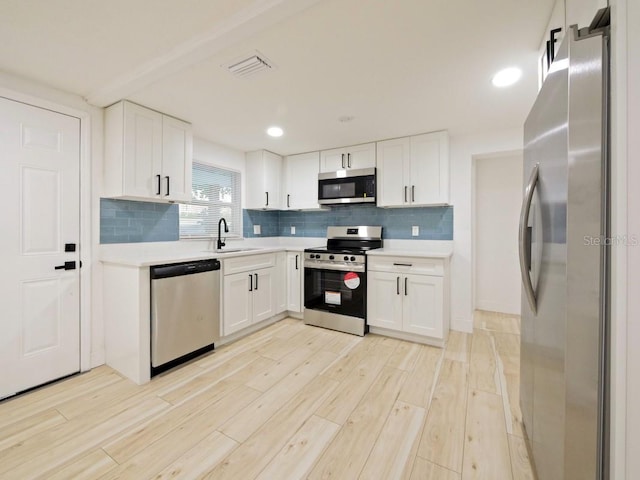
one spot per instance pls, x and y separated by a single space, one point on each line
257 16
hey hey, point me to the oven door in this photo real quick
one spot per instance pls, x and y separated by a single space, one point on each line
335 291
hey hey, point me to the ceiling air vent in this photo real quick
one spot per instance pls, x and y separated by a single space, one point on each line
248 65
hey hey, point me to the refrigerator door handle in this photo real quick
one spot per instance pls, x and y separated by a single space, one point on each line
523 238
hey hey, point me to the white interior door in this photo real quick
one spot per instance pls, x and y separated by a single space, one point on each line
40 194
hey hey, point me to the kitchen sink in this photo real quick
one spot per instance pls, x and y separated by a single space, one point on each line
233 250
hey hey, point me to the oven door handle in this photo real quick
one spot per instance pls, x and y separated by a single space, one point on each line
336 267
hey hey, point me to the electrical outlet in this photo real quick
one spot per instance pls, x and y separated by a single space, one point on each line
293 230
415 230
256 229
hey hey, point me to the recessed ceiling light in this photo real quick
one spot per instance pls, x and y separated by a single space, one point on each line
345 118
506 77
274 131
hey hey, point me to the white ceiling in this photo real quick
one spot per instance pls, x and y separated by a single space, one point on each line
398 67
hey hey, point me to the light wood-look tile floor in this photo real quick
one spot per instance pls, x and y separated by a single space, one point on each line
291 401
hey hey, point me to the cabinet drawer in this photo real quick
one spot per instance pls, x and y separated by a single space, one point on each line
248 263
415 265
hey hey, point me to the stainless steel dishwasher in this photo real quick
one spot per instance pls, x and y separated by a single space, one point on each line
185 312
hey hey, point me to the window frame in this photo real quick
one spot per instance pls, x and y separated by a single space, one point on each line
213 234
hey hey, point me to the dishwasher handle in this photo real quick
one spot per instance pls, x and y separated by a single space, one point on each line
185 268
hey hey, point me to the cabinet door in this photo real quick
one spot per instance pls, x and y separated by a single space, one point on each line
429 181
272 172
237 312
301 181
294 282
263 180
384 300
361 156
264 282
177 153
142 152
423 305
393 167
280 290
332 160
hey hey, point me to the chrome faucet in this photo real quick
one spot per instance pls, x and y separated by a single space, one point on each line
226 230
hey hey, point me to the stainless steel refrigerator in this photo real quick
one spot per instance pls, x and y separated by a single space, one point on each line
564 237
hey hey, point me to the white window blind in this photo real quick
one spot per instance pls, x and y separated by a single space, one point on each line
215 193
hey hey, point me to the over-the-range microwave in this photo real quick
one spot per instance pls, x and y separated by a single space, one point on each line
347 186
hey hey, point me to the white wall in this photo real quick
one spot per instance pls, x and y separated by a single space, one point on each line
633 228
463 148
626 221
581 12
498 193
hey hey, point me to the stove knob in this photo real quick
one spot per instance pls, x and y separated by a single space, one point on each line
346 258
317 256
331 257
353 259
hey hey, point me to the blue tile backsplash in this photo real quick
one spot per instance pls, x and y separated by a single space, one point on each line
436 223
124 221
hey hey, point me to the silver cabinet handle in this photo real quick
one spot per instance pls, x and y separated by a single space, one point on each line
403 264
522 238
413 193
297 262
168 187
397 285
405 194
267 194
349 160
250 283
158 177
256 287
343 160
405 286
288 197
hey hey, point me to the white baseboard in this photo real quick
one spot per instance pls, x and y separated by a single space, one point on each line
461 324
499 307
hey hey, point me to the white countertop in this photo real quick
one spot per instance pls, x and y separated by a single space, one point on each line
159 253
139 256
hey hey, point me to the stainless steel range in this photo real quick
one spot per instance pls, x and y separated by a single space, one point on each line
335 279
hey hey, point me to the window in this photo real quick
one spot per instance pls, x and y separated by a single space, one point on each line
215 193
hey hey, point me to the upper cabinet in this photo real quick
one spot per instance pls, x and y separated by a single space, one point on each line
413 171
148 155
357 156
264 170
300 190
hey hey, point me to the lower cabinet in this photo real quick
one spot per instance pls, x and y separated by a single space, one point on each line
249 294
409 296
294 282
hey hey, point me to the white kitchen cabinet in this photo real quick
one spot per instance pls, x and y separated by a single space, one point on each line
294 282
408 297
237 302
263 178
248 291
300 190
413 171
357 156
148 155
281 281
